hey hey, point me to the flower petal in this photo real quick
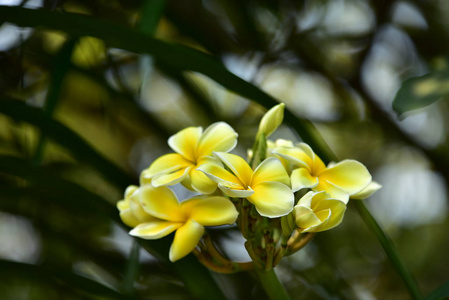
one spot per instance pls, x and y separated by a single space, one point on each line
272 199
166 164
186 141
221 175
137 209
186 239
155 229
367 191
270 169
217 137
271 120
334 191
301 179
237 165
348 175
235 192
337 209
161 202
170 178
210 211
199 181
128 218
305 217
296 156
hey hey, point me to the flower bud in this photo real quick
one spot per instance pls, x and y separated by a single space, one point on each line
271 120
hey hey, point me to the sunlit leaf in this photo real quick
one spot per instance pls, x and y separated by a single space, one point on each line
419 92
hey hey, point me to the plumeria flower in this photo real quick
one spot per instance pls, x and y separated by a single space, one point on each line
267 187
193 148
187 218
370 189
340 180
318 212
131 211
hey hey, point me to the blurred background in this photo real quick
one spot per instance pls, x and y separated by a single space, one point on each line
80 119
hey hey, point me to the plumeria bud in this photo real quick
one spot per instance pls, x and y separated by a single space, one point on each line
317 212
271 120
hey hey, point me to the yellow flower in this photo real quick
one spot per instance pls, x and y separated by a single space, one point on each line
131 211
339 180
193 148
187 218
267 187
271 120
318 212
367 191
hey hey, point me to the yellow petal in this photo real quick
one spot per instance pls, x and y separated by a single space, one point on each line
130 190
186 239
185 142
170 178
155 229
318 212
221 175
348 175
334 191
137 209
210 211
296 156
166 164
237 165
217 137
128 218
270 169
235 192
271 120
272 199
368 191
305 217
301 179
162 203
199 181
337 210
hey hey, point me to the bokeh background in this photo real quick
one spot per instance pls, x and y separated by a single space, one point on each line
341 64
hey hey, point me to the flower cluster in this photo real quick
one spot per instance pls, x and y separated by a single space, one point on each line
258 195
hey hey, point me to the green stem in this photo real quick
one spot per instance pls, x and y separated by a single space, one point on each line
271 284
389 249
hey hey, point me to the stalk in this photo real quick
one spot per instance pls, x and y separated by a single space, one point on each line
271 284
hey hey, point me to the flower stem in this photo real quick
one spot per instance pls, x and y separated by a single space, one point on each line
271 284
389 249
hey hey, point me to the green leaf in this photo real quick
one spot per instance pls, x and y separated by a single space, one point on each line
45 273
60 66
175 56
390 250
440 293
61 134
418 92
44 184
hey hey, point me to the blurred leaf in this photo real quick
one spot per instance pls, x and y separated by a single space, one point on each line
175 56
45 273
439 293
418 92
77 198
67 138
60 66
